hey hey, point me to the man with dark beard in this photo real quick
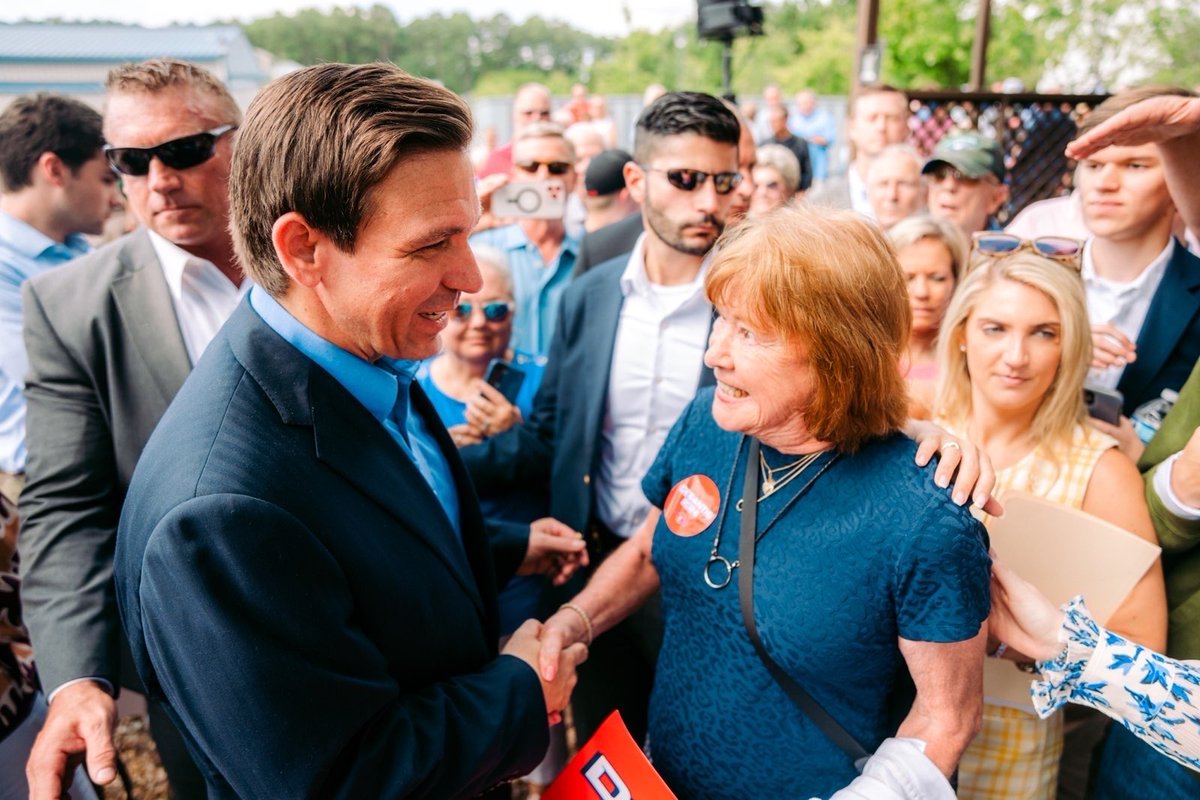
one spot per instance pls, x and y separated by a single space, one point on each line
625 360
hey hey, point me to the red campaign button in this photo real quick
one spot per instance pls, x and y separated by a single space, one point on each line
692 505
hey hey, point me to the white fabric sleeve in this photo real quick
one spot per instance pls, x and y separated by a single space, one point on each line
1162 487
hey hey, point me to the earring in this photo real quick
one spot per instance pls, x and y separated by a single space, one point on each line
962 348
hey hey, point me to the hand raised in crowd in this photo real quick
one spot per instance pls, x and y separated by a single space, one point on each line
1154 120
464 434
79 728
556 550
556 689
489 411
485 188
1111 347
975 477
1128 442
1185 474
1021 616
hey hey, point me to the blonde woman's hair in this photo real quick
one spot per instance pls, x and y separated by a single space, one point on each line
911 230
1062 408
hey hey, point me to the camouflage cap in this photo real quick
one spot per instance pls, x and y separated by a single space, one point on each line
971 153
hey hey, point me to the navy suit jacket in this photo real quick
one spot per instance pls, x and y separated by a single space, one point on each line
293 591
604 244
1168 345
559 446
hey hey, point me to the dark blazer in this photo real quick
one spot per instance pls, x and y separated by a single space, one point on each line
1168 345
105 358
605 244
291 587
559 446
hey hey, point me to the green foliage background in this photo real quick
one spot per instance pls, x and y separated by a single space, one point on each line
807 43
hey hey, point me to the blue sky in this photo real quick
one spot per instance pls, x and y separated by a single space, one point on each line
605 17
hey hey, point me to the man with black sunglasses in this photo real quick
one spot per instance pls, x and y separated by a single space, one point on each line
111 338
541 252
626 358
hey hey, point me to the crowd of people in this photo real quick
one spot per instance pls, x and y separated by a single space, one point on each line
363 470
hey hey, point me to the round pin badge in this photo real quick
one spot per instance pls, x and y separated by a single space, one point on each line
692 505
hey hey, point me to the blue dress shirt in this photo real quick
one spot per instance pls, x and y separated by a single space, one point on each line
382 387
537 286
24 253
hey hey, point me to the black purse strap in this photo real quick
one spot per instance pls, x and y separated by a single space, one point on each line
803 700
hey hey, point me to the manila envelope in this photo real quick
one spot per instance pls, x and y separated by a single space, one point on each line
1063 552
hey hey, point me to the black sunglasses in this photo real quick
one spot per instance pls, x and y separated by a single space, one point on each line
691 179
496 311
182 153
553 167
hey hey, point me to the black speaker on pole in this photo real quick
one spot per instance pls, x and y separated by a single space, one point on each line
723 20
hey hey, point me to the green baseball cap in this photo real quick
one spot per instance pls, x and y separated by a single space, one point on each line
971 153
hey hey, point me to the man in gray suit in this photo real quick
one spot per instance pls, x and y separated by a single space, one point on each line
111 338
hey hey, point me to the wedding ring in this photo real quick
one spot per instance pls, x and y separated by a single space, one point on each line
948 445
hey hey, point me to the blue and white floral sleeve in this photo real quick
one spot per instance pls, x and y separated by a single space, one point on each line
1155 697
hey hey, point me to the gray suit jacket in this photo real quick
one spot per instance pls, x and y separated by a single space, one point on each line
106 357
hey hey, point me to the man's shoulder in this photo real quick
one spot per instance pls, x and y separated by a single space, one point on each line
94 272
1188 262
603 275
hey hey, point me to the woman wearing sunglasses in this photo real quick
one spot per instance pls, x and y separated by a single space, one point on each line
1014 353
932 253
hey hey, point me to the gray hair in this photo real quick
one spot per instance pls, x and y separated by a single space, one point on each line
547 130
899 149
495 258
783 161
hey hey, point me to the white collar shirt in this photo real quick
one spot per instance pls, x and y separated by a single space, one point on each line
860 200
657 360
1122 305
203 297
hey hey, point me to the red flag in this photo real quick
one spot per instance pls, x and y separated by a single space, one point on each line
609 767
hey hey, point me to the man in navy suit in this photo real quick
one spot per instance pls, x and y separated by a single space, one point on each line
1143 286
626 358
301 566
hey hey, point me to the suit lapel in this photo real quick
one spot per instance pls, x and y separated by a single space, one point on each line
1175 304
148 315
604 316
352 443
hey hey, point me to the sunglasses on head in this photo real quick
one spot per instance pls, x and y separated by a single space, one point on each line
496 311
182 153
688 180
553 167
1059 248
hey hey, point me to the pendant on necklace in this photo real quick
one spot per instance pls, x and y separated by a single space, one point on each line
768 486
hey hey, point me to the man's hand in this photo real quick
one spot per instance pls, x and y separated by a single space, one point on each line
1185 473
975 474
1157 119
1111 348
485 189
79 728
1128 441
525 645
555 550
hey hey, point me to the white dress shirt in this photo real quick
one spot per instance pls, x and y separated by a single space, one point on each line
860 199
1122 305
203 297
657 360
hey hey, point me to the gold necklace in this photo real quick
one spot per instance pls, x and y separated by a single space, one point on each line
775 479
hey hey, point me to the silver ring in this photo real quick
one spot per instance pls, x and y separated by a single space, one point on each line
948 445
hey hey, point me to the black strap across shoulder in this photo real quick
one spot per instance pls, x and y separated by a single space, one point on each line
803 700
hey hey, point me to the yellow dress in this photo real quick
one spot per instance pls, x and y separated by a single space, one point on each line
1016 755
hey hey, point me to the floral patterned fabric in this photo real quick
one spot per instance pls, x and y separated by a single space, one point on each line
18 680
1156 698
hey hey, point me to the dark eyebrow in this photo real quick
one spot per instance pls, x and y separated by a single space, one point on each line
432 237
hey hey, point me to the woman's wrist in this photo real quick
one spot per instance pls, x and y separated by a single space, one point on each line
577 621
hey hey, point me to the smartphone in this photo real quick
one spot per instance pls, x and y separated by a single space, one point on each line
505 378
1103 404
530 200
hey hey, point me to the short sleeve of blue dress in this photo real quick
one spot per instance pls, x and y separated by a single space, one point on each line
871 552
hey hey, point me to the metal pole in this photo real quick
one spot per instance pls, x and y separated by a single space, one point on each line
868 33
727 69
983 28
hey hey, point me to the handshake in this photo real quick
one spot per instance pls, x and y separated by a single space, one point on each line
553 650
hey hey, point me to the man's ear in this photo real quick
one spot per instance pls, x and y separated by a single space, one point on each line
635 181
51 169
296 245
999 198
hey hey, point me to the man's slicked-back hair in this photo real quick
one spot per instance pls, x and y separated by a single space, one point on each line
677 113
1124 99
46 123
160 74
317 141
